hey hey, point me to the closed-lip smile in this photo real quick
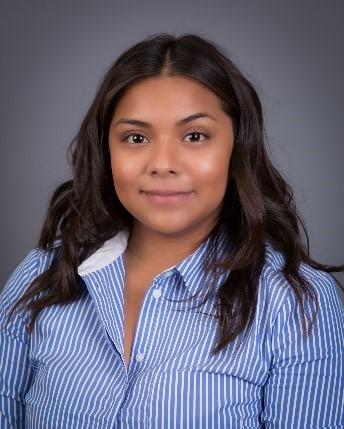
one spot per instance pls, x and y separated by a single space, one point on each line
167 198
165 193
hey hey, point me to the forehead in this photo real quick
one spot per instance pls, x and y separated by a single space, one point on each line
165 94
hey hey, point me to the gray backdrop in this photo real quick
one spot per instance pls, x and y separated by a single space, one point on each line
53 55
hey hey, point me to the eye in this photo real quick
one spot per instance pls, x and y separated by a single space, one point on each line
126 136
197 133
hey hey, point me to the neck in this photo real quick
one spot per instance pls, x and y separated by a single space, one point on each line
148 248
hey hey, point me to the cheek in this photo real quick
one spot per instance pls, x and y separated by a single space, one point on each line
212 173
124 171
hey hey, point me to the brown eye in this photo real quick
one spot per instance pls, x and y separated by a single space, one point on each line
196 134
136 140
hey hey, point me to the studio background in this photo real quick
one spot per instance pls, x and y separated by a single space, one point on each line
53 55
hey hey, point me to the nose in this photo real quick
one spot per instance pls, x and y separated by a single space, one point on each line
163 158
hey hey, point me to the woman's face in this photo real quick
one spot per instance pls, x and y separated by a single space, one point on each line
168 154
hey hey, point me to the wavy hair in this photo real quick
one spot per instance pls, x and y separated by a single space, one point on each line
258 205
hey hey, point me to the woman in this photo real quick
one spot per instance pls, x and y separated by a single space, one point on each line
170 286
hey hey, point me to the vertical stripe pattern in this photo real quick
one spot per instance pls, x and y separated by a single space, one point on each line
71 373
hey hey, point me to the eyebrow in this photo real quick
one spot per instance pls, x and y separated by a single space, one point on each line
179 123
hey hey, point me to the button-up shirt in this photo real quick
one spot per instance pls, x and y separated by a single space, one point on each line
71 373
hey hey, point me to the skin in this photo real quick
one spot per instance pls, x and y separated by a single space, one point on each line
167 156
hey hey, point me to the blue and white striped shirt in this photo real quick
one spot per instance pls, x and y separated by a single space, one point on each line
70 374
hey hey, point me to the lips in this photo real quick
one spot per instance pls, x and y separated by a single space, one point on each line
164 193
167 198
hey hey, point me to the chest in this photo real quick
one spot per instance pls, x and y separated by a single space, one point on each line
70 350
135 287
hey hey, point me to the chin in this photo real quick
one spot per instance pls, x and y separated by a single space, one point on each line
168 229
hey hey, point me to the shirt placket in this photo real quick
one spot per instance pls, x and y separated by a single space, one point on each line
147 324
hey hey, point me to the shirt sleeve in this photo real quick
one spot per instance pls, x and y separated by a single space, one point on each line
15 372
305 386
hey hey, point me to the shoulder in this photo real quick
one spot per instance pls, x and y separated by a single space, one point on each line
34 263
272 272
278 294
303 369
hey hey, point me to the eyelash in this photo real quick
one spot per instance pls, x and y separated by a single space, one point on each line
131 133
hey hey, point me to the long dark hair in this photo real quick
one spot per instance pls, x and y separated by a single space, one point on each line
258 206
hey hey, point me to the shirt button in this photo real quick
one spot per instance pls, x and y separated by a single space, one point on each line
156 293
168 273
139 357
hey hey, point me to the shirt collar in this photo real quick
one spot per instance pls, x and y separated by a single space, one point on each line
191 268
106 254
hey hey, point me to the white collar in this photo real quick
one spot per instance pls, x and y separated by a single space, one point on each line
106 254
